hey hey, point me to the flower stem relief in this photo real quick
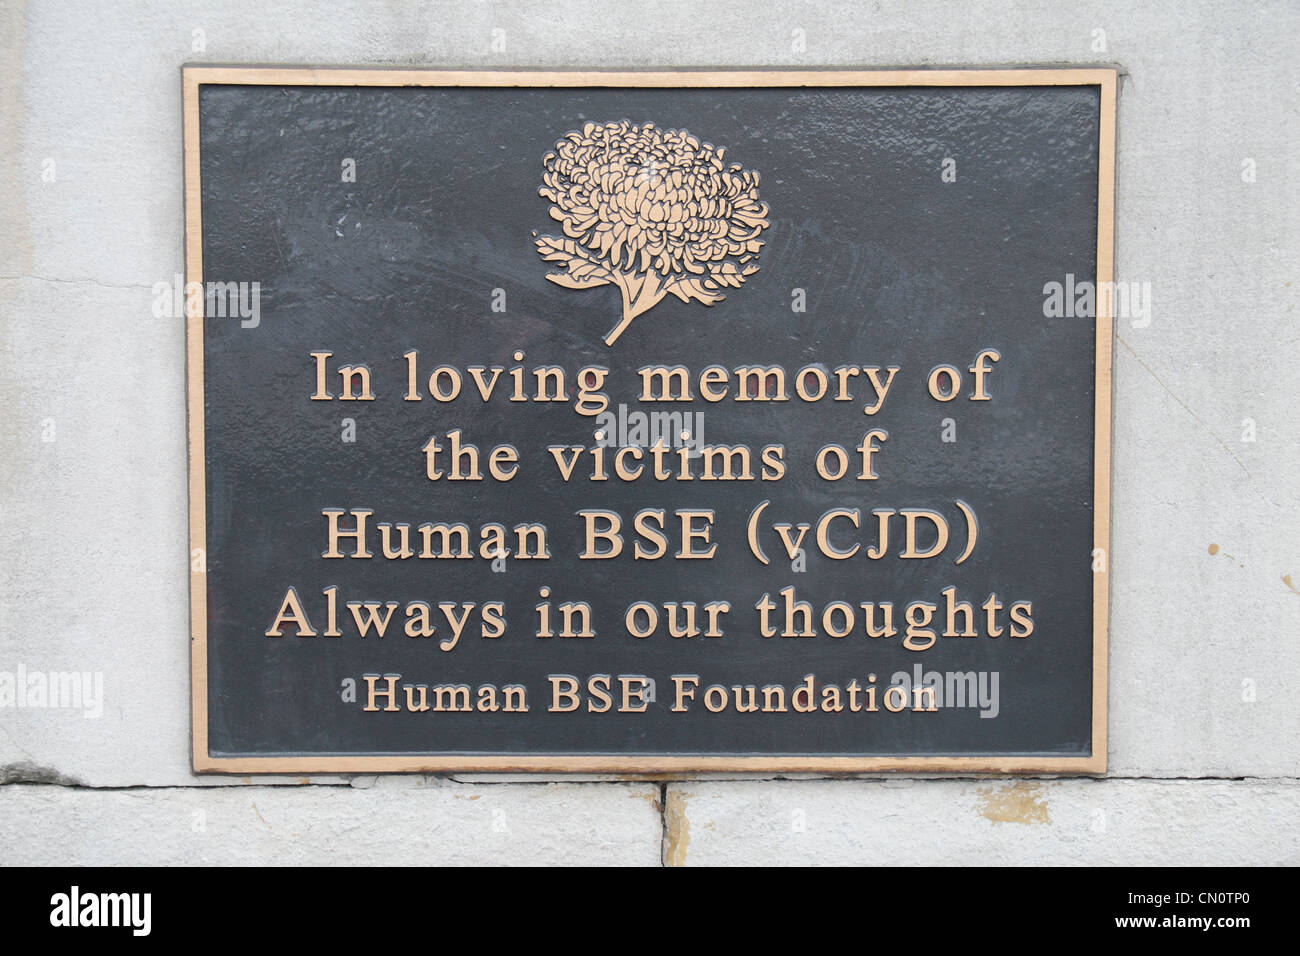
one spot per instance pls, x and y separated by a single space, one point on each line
654 212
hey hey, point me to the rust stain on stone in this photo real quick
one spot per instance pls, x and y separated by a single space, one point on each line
259 815
1214 549
1021 802
677 828
1286 579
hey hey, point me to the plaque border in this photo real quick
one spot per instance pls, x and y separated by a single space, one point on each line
195 76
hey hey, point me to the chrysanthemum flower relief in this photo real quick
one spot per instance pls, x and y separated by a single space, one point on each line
654 212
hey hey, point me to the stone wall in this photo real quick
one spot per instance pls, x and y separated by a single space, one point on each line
1205 614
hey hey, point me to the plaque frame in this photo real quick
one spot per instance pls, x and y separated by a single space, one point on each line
195 76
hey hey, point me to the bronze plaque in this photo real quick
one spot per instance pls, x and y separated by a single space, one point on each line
648 422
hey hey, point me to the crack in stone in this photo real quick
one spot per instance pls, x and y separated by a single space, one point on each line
76 281
29 773
662 807
1187 408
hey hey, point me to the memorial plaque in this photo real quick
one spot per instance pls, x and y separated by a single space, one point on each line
648 422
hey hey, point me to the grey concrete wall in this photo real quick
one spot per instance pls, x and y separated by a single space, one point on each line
1205 618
